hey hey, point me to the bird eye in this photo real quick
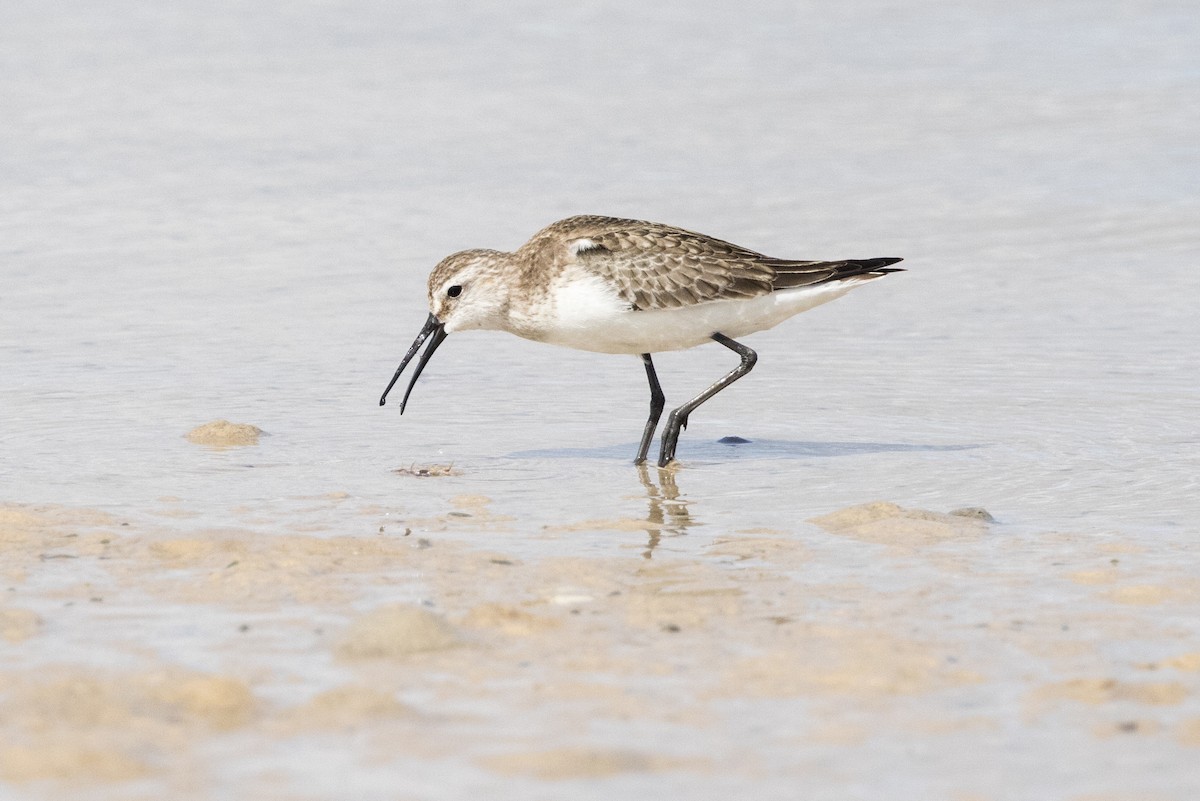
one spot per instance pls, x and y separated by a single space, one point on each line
454 291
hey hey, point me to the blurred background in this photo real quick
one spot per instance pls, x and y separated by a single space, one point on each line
228 210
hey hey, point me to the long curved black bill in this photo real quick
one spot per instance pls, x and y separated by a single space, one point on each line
435 332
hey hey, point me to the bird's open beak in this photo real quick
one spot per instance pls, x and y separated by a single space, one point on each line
435 332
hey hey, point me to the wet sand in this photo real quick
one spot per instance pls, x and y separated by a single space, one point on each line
144 659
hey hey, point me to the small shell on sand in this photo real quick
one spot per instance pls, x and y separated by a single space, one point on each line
224 434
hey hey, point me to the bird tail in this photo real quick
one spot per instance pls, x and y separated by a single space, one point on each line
871 267
789 275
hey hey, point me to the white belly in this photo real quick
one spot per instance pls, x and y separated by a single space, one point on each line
595 321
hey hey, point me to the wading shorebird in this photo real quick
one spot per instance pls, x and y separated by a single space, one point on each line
625 286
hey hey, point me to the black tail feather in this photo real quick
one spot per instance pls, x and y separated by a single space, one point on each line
875 265
789 275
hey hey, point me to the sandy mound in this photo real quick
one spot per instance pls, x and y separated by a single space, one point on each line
888 524
224 434
397 631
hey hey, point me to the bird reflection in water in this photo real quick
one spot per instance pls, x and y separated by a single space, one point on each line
668 512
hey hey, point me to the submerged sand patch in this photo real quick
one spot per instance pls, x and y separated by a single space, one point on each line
852 662
561 764
344 708
74 724
1107 691
18 624
631 656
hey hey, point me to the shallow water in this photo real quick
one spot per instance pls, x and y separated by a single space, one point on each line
229 212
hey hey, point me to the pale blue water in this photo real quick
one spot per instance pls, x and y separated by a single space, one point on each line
221 210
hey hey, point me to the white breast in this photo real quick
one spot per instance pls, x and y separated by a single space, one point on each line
589 315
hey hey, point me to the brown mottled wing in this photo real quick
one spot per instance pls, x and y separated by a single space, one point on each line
660 267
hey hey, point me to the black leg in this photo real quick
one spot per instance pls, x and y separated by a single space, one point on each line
657 401
677 420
